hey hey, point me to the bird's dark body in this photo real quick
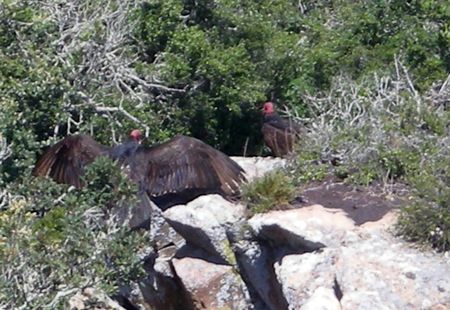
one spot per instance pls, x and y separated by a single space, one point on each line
124 151
279 134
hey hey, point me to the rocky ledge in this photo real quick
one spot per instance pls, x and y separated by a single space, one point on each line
209 255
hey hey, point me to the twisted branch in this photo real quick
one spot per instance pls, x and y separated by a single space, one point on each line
93 42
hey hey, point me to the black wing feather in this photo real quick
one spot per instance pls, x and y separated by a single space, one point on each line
64 162
186 163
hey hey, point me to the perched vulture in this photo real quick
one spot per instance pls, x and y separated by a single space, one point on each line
279 135
172 172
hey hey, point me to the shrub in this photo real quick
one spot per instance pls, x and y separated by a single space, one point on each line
424 222
305 170
55 241
269 192
426 218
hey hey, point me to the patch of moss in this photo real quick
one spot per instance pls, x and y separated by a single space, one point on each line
229 254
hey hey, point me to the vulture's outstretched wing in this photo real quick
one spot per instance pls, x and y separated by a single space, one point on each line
64 161
185 163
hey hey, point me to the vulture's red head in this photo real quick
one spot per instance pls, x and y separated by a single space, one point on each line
268 108
136 135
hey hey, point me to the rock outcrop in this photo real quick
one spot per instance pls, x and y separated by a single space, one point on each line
208 255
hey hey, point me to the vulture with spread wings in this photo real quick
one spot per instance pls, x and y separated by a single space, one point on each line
279 134
181 168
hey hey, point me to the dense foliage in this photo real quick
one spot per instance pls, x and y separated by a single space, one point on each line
55 242
198 68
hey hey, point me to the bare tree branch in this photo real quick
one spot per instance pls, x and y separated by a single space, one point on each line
93 42
5 150
350 108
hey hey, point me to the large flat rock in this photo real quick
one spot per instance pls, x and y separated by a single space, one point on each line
306 229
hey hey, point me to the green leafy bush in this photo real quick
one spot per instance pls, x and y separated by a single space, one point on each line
55 241
268 192
426 219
